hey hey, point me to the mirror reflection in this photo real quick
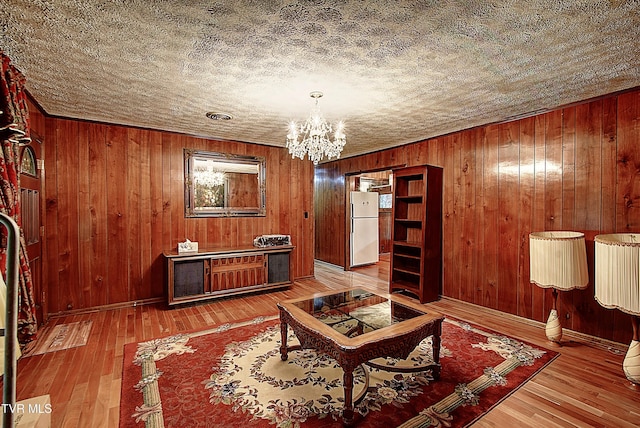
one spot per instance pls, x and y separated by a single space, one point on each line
221 184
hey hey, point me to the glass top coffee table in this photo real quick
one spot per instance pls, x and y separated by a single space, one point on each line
356 326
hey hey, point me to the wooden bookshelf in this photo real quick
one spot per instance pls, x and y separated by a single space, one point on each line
416 249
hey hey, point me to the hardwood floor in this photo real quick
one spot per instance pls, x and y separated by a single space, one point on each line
583 387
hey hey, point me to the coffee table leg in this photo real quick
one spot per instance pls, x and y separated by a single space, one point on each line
436 353
283 340
347 381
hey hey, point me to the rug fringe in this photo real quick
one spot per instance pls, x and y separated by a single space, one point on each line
439 415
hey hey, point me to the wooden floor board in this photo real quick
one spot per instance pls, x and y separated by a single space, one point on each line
583 387
73 409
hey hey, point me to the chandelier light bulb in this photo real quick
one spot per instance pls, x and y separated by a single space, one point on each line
293 132
340 131
315 136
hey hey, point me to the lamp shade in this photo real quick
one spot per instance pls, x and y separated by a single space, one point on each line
558 259
617 273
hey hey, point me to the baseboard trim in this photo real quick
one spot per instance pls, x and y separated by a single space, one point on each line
112 306
609 345
329 264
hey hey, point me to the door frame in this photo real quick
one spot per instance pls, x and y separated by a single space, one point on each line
35 183
349 186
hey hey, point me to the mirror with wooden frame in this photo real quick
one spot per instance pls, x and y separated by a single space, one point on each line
224 185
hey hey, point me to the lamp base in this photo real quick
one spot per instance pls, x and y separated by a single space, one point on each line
631 363
553 328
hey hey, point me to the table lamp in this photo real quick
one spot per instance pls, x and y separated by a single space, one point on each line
617 277
557 260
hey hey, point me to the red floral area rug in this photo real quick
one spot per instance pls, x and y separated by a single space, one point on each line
232 376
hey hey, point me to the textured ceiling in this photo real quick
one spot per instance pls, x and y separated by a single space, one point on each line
393 71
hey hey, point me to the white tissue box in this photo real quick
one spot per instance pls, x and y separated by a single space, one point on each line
187 247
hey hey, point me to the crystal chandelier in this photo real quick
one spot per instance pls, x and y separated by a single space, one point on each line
315 139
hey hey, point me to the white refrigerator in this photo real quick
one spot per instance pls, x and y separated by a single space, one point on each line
364 228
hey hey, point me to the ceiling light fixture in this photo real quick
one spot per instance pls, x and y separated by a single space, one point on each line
315 140
218 116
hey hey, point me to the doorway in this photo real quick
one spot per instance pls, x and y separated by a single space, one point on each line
30 194
380 183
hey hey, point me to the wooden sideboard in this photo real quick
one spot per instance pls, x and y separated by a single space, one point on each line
222 272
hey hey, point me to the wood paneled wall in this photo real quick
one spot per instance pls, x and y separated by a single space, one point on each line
115 202
574 168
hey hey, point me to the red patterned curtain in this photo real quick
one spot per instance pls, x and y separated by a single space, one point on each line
14 131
